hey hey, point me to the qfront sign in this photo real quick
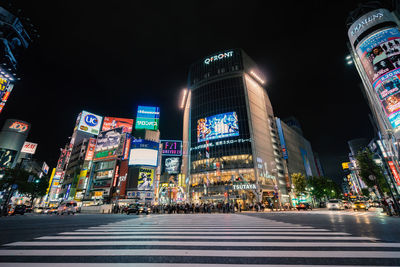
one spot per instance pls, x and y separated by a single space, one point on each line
218 57
244 187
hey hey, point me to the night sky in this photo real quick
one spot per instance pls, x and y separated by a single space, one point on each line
107 57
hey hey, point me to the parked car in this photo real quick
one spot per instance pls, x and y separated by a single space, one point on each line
69 207
335 204
18 209
303 206
38 210
360 205
138 208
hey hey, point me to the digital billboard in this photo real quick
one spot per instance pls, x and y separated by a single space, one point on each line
112 123
171 148
145 179
217 126
108 144
7 157
172 165
380 57
143 153
90 123
147 118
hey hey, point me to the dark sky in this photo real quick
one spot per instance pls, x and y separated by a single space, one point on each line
107 57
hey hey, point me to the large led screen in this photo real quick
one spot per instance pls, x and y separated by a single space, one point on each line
217 126
143 153
380 57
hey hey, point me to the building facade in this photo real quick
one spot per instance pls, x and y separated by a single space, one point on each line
230 142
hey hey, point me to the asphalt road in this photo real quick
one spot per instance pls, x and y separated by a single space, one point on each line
311 238
359 223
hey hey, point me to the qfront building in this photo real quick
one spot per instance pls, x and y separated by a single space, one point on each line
230 140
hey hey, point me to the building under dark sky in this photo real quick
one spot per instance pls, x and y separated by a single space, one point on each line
108 57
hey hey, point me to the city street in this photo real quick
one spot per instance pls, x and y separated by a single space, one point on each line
311 238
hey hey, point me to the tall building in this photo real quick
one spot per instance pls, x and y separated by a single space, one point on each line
230 140
15 38
374 43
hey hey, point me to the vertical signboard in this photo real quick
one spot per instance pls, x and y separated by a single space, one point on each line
395 172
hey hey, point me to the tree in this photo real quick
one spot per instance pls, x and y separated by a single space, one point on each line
300 182
370 172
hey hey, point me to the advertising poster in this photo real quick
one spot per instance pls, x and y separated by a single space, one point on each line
7 157
145 179
112 123
108 143
171 147
172 165
217 126
90 123
380 53
147 118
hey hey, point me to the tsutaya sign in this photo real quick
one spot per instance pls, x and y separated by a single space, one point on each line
218 57
244 186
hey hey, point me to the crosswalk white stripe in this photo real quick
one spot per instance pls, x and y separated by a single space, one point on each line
210 244
32 264
119 232
204 253
246 237
184 230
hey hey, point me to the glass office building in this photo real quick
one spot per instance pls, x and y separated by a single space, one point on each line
231 146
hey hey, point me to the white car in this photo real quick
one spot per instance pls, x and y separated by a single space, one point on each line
69 207
335 204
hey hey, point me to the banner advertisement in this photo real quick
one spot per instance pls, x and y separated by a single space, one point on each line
171 148
217 126
90 149
145 179
90 123
112 123
7 157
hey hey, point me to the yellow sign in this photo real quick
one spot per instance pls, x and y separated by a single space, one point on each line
345 165
98 193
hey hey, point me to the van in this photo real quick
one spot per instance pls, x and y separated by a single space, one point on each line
67 207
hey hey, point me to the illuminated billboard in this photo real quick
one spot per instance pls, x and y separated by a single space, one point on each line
171 148
143 153
147 118
172 165
5 91
217 126
145 179
380 57
108 144
90 123
112 123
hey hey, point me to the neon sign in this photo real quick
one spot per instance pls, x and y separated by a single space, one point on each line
218 57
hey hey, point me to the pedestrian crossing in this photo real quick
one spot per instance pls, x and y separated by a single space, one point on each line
200 240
